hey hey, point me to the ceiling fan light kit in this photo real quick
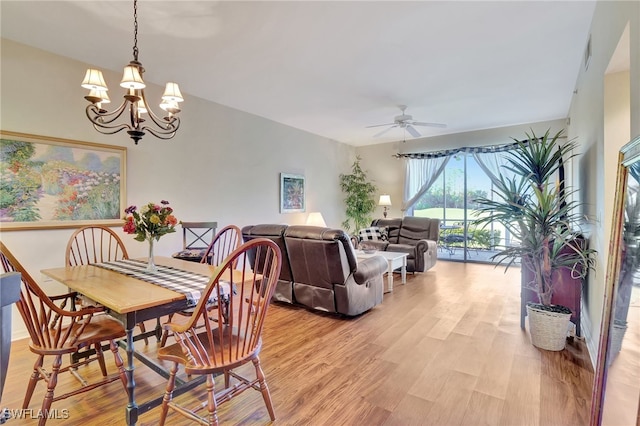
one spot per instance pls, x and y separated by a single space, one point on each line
406 122
134 101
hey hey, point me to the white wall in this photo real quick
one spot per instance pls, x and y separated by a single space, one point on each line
605 113
223 164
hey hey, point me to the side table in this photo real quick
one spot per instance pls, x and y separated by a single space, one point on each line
394 259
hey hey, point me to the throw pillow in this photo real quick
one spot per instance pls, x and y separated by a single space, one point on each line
370 234
384 233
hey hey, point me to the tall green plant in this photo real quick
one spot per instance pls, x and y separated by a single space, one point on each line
529 205
360 199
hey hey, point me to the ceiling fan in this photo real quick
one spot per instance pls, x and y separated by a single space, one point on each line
405 121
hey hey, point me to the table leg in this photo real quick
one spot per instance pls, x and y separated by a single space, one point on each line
132 407
390 277
403 270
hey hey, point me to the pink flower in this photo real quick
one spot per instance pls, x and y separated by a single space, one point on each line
129 226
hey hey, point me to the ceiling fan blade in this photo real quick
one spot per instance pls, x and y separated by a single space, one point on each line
421 123
413 132
384 131
379 125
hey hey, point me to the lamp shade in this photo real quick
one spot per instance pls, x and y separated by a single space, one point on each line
93 80
385 200
316 219
102 94
172 93
131 78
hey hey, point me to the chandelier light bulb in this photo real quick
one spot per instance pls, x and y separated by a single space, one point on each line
141 108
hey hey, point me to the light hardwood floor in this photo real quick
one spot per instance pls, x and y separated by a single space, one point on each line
444 349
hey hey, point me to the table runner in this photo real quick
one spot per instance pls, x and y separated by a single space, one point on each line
188 283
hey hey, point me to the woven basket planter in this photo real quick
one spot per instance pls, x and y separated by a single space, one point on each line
548 329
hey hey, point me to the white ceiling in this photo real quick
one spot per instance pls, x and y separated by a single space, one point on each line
334 67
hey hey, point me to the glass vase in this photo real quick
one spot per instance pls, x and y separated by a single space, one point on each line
151 265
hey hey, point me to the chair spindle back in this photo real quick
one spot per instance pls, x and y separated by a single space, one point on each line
94 244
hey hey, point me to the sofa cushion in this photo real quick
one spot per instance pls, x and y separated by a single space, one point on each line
193 255
415 229
374 233
391 225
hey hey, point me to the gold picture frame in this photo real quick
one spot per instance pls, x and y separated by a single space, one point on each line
615 399
54 183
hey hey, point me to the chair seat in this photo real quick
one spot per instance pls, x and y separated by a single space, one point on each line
192 255
101 328
221 358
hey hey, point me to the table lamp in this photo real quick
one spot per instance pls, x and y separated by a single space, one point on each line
316 219
385 200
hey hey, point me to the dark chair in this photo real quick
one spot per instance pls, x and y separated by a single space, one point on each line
226 343
196 238
97 244
56 331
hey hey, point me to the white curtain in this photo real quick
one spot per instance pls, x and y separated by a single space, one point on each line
491 163
420 174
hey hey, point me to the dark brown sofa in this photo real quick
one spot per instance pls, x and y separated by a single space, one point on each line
320 269
416 236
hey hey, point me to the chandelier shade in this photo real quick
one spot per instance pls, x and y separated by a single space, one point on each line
101 95
93 80
134 101
172 93
131 78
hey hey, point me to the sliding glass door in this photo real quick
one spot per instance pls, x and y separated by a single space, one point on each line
451 199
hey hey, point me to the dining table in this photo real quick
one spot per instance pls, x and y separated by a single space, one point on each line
133 298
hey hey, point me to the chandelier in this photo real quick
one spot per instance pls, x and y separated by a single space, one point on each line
134 101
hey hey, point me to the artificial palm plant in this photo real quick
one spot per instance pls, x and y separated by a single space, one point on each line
360 199
529 204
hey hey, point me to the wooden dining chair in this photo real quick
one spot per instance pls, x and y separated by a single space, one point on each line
96 244
225 344
57 330
223 244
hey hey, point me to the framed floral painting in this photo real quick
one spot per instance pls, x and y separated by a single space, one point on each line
291 193
59 183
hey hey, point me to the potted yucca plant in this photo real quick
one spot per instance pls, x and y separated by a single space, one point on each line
529 203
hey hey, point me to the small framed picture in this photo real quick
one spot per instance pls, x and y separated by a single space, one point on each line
291 193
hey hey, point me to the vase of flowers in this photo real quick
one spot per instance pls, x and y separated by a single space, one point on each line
150 223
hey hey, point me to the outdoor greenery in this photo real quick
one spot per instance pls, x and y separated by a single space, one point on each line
529 204
360 200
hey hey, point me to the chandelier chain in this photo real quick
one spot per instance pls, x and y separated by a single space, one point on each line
135 30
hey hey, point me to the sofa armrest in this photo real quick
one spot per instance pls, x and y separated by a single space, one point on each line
370 267
426 255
